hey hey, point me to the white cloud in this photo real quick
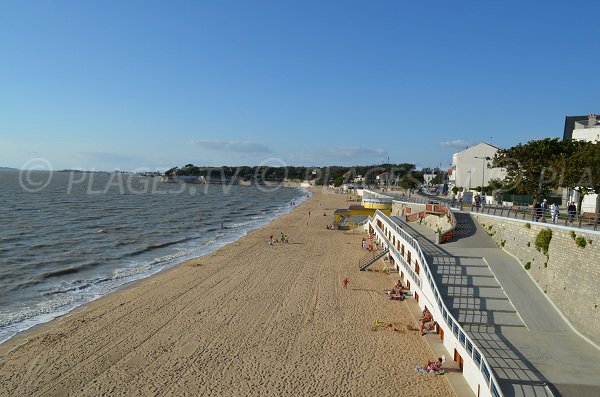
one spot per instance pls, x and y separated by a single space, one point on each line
232 146
353 152
456 143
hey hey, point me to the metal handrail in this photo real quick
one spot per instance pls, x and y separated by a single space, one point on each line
451 322
579 221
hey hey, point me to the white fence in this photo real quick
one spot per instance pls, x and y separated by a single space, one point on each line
476 369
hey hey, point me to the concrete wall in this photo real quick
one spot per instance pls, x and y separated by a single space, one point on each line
570 275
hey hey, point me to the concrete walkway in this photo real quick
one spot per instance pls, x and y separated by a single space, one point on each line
531 348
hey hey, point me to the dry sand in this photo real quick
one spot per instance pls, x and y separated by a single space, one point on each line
247 320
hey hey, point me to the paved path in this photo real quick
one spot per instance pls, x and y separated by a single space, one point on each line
532 349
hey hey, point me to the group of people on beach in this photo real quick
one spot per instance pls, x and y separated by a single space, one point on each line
368 245
283 238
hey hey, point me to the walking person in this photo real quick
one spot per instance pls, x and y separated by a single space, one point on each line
543 209
537 212
345 282
554 212
571 212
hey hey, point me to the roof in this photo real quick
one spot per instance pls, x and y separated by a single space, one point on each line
570 126
474 146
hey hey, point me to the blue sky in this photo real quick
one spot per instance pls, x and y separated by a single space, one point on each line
154 84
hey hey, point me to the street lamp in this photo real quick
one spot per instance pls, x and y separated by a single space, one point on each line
469 172
486 158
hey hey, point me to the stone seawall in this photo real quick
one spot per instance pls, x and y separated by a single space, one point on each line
569 273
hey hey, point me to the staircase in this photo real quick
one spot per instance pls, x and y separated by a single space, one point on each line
370 258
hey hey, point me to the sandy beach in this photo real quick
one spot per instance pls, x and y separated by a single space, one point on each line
247 320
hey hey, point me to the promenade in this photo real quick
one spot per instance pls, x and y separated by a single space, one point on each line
531 348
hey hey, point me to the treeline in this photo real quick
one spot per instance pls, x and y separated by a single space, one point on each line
404 174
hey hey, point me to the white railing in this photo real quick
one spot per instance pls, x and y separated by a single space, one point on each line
455 330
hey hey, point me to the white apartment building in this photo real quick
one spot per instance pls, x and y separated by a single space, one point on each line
473 167
587 130
582 128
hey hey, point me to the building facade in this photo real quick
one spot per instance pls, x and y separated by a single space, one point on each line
473 167
582 128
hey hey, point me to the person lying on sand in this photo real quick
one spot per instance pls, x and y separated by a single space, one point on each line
431 367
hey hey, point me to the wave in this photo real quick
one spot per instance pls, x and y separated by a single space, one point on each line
60 272
113 268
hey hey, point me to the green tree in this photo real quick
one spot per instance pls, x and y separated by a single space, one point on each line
531 167
581 168
406 182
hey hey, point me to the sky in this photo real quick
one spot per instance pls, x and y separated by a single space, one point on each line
148 85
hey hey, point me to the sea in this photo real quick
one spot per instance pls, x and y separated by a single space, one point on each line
68 238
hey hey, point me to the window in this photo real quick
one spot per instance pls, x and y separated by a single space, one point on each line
486 372
477 357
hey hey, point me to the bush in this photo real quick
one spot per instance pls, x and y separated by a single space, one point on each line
528 226
572 234
529 243
542 241
528 266
580 241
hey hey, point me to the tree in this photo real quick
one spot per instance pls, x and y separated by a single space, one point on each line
406 182
581 168
531 167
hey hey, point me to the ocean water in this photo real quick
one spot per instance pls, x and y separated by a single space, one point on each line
69 238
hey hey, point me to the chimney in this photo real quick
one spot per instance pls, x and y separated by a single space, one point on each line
592 120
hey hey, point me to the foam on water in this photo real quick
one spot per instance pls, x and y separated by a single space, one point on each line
72 282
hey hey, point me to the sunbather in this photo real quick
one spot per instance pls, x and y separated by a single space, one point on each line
434 365
431 367
426 317
425 327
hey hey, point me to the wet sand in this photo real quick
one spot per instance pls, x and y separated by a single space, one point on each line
247 320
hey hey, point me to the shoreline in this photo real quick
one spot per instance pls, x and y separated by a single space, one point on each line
45 318
248 318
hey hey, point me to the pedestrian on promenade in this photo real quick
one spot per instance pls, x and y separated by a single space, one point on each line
363 243
537 212
544 208
554 211
571 212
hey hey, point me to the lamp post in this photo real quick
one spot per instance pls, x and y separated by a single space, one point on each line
486 158
469 172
